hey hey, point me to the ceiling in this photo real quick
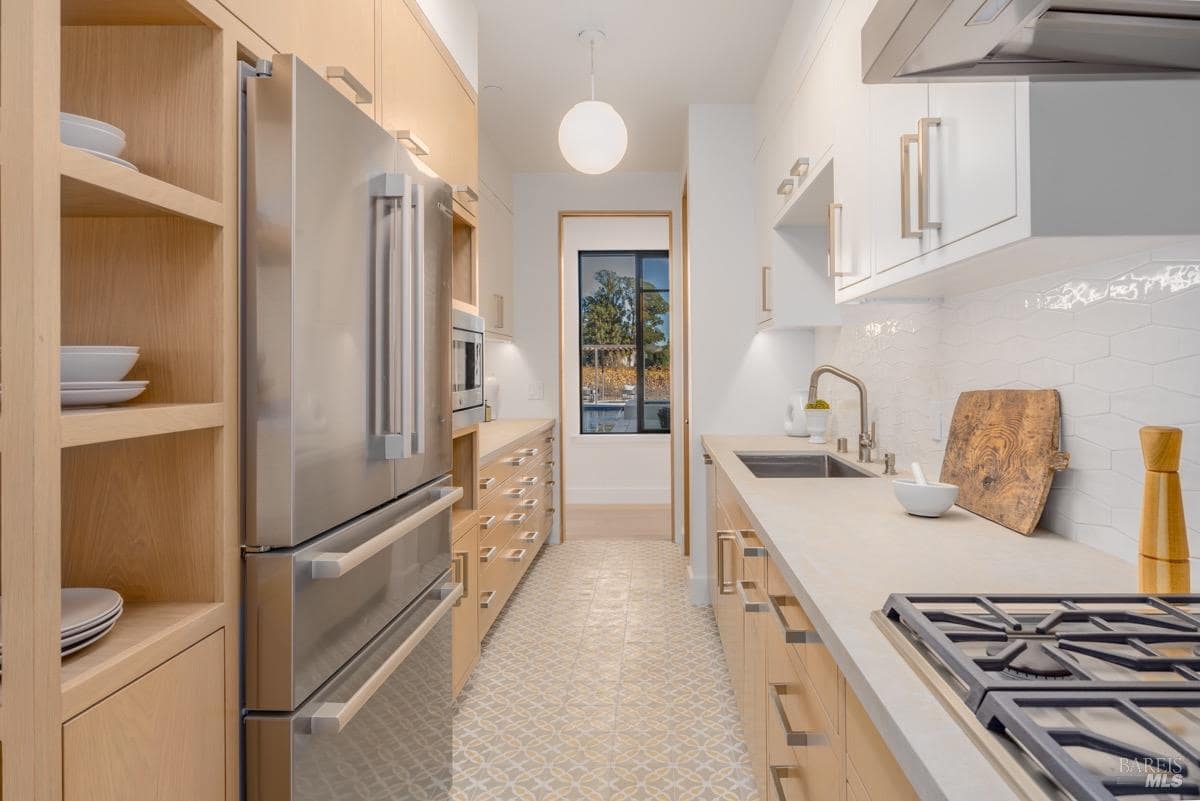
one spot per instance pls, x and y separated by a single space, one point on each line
659 57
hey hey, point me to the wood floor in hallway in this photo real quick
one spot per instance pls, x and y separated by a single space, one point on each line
618 521
601 682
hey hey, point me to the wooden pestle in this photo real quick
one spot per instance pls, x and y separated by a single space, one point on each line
1163 551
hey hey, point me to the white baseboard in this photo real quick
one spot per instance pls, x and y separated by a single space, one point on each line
698 589
629 495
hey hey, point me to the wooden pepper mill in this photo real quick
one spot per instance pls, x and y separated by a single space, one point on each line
1163 553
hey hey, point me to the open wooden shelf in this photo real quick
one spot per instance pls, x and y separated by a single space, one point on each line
89 426
147 635
93 187
129 12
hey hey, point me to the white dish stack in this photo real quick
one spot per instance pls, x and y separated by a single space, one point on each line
91 375
94 136
88 614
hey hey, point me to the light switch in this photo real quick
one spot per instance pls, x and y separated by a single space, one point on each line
935 421
536 390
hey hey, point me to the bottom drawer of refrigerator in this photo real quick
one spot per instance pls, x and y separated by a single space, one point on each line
378 730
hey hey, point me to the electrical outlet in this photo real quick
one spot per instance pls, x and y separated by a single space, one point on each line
937 434
537 390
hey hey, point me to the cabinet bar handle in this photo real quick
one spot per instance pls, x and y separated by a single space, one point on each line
906 229
486 483
516 555
833 215
515 492
748 542
516 518
361 93
923 126
487 522
499 310
528 481
723 587
529 536
785 187
487 554
485 600
529 504
465 189
415 144
515 461
795 737
765 300
791 636
750 606
462 570
529 451
800 167
778 774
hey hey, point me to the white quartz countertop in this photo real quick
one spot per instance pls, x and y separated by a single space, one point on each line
498 435
845 544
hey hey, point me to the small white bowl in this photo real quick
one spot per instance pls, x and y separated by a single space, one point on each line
94 365
89 134
925 500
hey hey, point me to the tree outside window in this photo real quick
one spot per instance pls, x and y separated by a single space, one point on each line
624 342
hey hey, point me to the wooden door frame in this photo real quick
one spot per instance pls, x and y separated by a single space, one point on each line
563 216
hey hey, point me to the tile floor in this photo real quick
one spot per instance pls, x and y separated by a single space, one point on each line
601 682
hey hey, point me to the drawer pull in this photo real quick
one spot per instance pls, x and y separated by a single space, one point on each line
529 536
415 144
550 463
528 481
466 189
516 555
515 492
487 483
516 518
529 452
549 438
485 600
724 587
487 554
462 571
333 564
530 504
515 461
778 774
795 738
551 482
748 542
790 635
751 606
923 126
332 718
361 93
487 522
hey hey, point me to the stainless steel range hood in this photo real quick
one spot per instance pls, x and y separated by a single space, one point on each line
939 40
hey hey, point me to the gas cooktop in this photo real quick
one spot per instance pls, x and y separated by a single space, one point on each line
1100 694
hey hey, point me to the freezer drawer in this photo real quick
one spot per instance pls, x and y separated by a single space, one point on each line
379 731
310 609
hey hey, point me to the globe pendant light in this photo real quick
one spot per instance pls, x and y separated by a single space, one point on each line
592 135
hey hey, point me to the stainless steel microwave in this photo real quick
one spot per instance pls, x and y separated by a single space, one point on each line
467 382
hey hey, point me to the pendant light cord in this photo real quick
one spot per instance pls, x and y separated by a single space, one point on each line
592 50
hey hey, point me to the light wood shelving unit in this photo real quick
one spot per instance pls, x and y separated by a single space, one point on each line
141 497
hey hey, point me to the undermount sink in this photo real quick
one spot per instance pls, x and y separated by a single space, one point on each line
784 464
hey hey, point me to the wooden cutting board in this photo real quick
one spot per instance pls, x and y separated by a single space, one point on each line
1003 451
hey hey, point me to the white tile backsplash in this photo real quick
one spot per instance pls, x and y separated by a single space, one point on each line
1120 340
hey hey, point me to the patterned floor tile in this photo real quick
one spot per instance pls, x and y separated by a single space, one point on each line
601 682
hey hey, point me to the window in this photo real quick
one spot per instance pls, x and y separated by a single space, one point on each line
624 342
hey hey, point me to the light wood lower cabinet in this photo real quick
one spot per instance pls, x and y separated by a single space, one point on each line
465 619
162 738
808 737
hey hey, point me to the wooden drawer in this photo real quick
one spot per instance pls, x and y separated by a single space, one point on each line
161 737
497 578
878 775
798 722
804 645
491 477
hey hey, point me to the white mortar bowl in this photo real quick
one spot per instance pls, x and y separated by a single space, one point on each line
925 500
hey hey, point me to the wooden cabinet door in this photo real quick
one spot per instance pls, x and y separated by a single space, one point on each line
972 179
495 264
338 33
727 607
754 718
273 20
465 618
420 92
162 738
894 112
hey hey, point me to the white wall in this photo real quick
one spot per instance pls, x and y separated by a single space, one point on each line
457 24
741 377
1119 340
618 468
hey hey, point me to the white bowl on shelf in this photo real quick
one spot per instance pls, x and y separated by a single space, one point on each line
925 500
99 393
95 363
86 133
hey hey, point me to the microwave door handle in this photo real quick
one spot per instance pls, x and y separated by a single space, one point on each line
333 718
418 364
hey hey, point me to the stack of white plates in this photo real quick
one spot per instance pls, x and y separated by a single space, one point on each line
92 375
88 613
94 136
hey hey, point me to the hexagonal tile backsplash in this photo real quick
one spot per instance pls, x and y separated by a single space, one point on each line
1120 340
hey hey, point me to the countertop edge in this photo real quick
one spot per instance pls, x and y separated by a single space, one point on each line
507 433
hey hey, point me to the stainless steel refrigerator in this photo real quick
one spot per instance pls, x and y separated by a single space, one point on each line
346 451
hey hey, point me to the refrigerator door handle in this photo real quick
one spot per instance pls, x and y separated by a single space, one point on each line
418 278
407 304
392 192
333 718
333 564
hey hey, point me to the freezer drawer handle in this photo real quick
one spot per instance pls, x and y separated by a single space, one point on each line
332 718
335 565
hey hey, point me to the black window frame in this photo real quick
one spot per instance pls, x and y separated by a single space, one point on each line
639 257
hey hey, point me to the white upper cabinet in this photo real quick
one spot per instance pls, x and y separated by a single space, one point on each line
850 248
892 161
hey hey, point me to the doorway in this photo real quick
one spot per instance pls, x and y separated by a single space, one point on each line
617 395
